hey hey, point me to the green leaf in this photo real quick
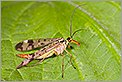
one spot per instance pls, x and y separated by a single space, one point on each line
98 56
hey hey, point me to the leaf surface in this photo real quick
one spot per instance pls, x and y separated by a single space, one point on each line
98 56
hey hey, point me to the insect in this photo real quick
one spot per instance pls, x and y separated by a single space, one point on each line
48 47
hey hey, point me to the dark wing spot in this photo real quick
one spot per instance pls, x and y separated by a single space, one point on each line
30 41
62 41
44 39
19 45
38 40
42 43
43 49
30 45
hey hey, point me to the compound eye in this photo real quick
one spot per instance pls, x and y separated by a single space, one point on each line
68 38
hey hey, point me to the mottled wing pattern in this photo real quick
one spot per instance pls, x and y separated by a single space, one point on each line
32 44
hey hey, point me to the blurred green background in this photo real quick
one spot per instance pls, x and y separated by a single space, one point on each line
98 56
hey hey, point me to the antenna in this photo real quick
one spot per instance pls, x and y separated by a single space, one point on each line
76 32
71 35
71 20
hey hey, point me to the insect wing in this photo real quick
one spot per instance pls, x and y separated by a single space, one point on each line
33 44
41 54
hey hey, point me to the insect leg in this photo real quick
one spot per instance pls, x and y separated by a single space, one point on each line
70 59
62 65
70 47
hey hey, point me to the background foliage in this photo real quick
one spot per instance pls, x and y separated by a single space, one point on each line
98 56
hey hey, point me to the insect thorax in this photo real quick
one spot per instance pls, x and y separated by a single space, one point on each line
63 44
